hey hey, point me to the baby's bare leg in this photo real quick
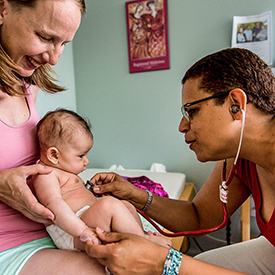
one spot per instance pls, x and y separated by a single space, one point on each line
111 214
133 211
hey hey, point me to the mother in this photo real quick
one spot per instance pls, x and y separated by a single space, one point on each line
33 35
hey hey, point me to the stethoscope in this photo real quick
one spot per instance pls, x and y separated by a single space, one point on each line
223 196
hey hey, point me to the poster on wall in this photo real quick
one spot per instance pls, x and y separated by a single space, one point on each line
254 33
147 32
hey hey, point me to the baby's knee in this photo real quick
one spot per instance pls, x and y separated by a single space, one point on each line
129 206
108 203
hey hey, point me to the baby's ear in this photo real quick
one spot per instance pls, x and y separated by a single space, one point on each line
52 155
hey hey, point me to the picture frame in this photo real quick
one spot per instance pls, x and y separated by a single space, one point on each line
254 32
147 33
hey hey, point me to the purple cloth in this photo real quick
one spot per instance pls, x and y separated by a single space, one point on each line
145 183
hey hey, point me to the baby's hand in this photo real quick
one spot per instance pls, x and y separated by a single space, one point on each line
89 234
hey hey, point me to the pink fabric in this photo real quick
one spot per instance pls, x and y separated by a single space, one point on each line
145 183
246 170
18 146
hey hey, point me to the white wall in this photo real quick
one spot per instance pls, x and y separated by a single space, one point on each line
135 116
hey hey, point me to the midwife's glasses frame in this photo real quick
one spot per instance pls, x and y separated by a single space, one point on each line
184 108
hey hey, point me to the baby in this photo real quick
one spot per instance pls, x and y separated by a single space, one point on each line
65 139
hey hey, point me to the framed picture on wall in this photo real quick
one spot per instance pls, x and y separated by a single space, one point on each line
147 32
254 33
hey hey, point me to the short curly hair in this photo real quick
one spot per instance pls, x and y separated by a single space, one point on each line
236 68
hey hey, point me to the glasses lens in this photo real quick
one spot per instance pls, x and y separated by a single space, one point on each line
185 113
184 109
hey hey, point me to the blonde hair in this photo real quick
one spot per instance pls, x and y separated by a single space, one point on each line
14 84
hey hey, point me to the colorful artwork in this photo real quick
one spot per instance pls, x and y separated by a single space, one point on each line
147 35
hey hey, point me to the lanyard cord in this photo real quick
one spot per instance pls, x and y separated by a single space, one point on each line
223 197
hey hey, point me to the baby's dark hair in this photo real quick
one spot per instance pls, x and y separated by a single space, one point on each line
59 126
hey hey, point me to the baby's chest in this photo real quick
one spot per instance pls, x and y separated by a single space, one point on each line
76 195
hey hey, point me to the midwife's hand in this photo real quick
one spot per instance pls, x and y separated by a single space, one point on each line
15 192
127 254
118 186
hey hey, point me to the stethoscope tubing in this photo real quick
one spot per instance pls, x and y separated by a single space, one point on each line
189 233
223 198
224 186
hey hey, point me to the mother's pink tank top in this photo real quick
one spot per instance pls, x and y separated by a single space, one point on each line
18 146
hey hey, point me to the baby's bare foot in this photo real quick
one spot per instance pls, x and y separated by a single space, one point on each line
153 233
157 238
90 234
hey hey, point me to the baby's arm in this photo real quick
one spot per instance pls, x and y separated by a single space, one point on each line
47 190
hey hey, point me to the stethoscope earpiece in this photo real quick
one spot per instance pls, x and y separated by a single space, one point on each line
235 109
223 190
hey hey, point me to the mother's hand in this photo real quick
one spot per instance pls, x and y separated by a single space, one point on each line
15 192
128 254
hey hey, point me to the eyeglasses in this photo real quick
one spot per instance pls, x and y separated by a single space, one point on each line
185 111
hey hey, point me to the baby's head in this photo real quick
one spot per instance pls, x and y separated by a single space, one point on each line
65 138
